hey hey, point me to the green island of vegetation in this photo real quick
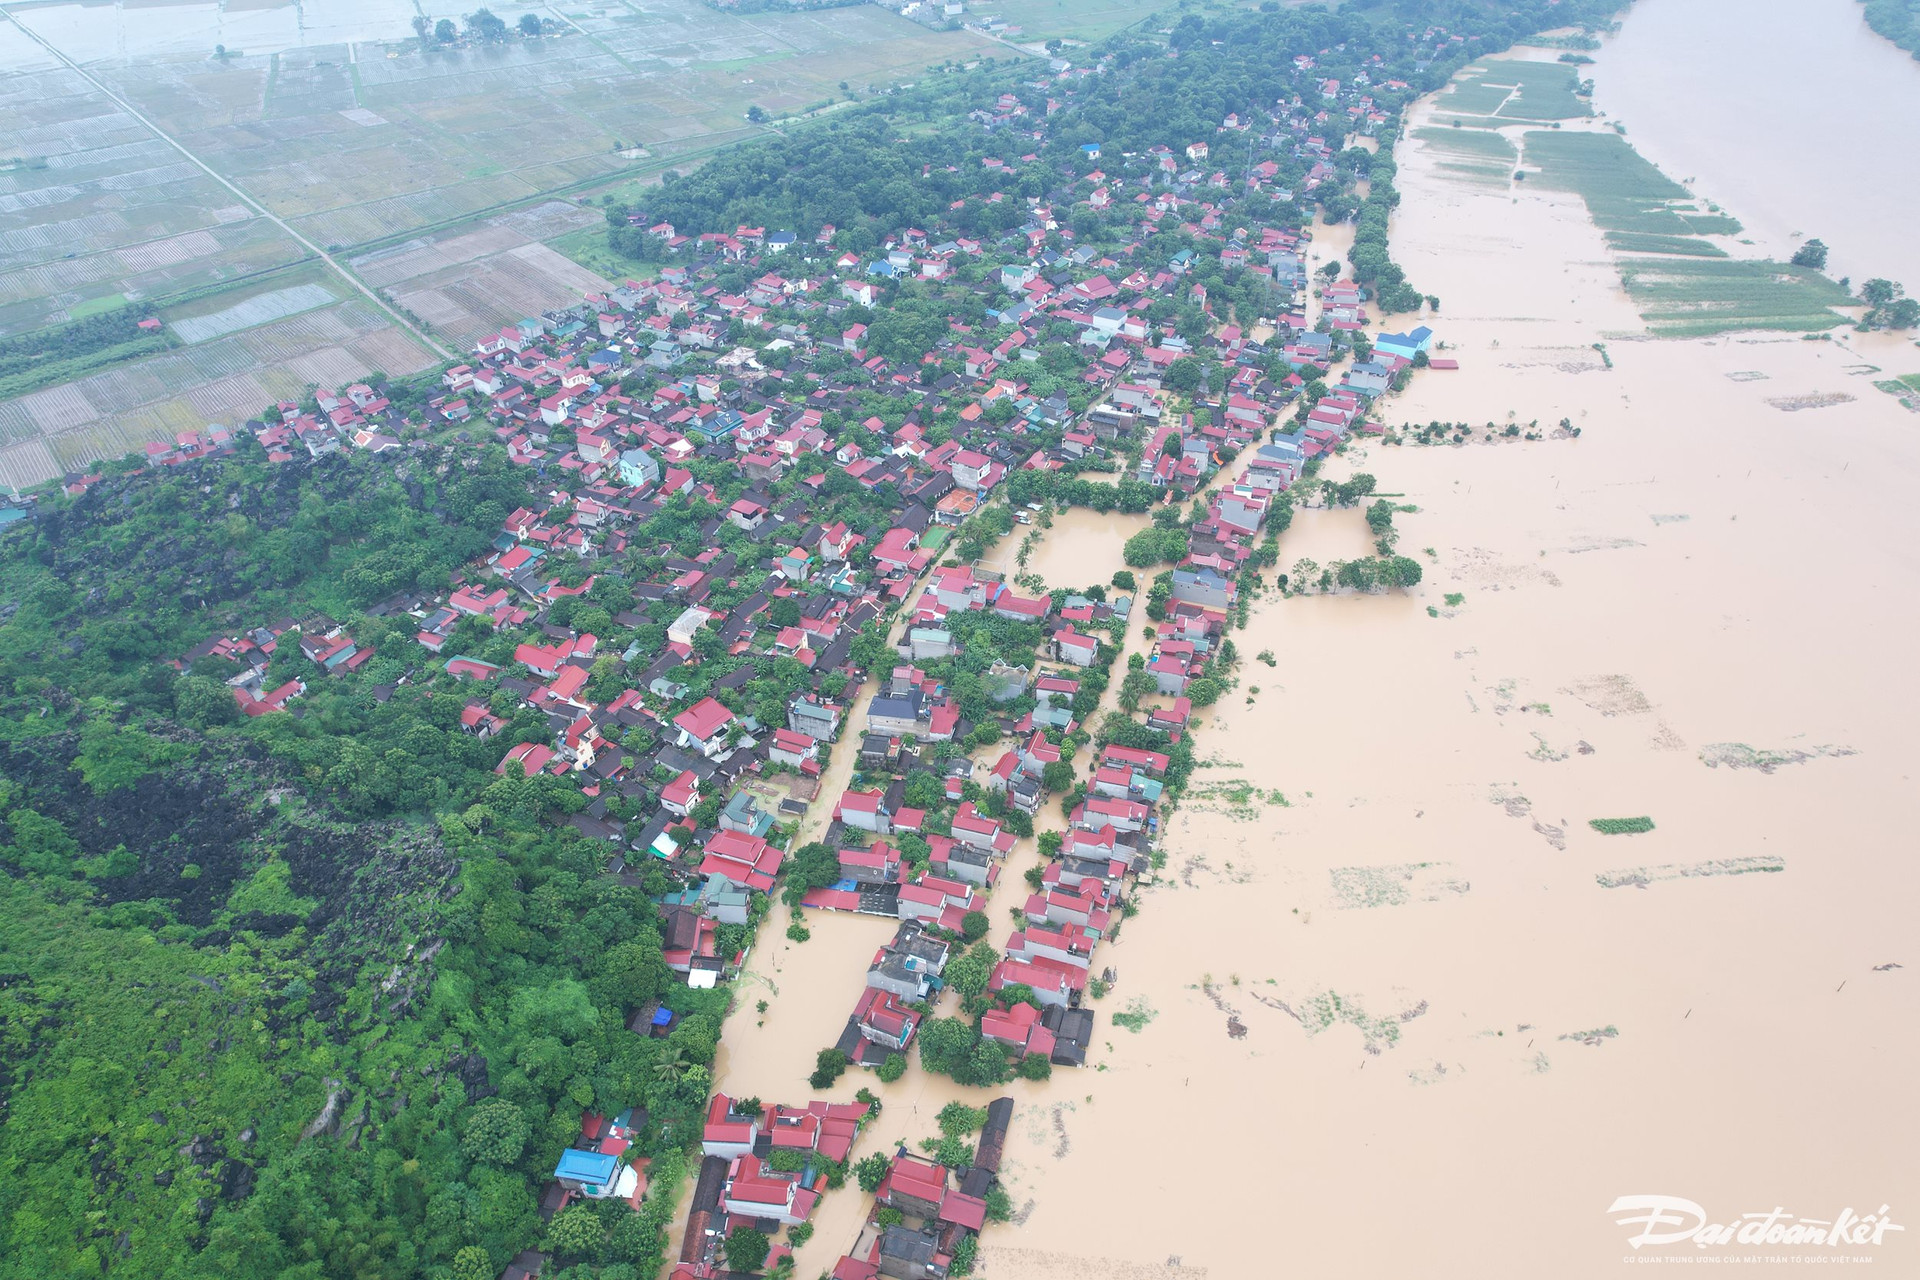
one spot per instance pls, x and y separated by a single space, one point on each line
1897 20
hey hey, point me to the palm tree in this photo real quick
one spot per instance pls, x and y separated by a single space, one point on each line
672 1066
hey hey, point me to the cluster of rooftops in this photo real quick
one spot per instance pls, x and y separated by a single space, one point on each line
822 474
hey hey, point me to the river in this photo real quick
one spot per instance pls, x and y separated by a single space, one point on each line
1791 113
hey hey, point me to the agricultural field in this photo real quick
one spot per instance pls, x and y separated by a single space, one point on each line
95 210
466 284
1475 155
1646 242
1693 288
1622 190
1504 89
221 379
363 142
1042 20
1696 297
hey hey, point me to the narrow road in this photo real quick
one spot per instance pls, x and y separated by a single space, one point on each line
248 200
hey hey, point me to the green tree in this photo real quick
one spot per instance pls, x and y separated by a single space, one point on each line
202 702
576 1232
1813 253
1183 375
872 1171
828 1065
968 974
1402 572
746 1249
496 1133
1877 293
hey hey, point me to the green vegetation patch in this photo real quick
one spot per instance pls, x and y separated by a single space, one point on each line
1478 91
1711 224
1329 1009
1622 190
1897 20
1905 389
1545 92
1621 826
1640 877
1647 242
61 352
1469 142
1136 1015
1392 886
1689 298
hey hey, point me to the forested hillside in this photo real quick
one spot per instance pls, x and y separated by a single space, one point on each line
212 947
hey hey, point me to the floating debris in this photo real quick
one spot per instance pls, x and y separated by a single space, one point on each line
1611 695
1812 400
1329 1009
1641 877
1392 886
1738 755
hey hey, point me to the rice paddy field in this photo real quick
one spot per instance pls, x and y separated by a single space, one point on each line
1622 190
1688 298
469 282
1694 288
1039 21
222 379
1507 89
438 173
1477 155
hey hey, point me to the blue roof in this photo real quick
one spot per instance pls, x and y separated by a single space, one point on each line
586 1166
662 1017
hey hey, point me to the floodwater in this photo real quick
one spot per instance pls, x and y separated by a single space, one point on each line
1796 122
1081 548
1399 1021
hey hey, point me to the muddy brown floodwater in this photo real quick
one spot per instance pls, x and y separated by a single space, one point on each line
1081 548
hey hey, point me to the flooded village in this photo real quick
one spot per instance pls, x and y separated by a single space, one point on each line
1173 712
